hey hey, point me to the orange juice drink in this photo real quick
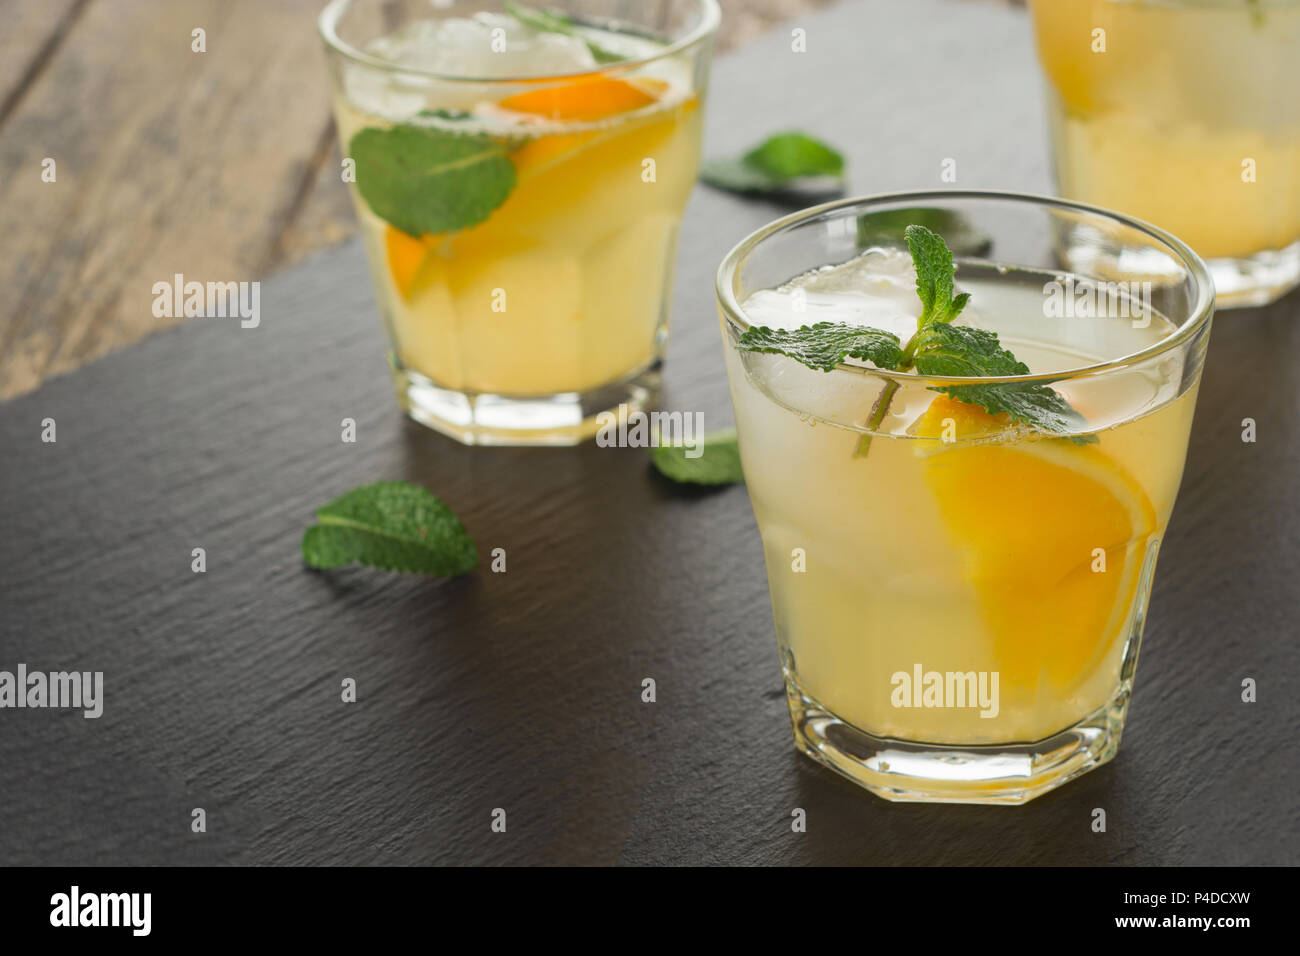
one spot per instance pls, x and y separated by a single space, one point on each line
519 190
1180 112
959 597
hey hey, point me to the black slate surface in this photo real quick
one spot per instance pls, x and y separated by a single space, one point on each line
522 690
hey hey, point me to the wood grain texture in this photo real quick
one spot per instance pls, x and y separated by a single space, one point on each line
33 32
220 165
168 160
522 690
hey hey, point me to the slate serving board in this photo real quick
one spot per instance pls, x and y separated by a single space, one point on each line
522 690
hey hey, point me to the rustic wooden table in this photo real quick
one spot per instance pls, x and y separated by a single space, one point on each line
221 164
522 690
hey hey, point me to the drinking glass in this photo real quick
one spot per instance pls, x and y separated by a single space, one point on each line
519 189
1183 113
959 600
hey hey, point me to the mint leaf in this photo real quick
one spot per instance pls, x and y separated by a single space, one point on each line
791 155
555 23
390 525
1038 406
934 272
718 465
426 180
960 351
734 176
781 162
825 345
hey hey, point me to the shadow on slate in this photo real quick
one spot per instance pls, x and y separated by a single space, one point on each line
522 690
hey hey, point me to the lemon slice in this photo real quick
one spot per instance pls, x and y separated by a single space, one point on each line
1035 522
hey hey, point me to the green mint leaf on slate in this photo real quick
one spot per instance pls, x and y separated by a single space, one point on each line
792 155
883 228
934 272
555 23
390 525
734 176
825 345
426 180
718 465
781 162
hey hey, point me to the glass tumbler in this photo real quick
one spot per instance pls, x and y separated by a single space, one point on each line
1183 113
519 176
959 599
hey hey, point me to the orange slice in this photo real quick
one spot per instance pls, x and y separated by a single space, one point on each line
949 420
1031 519
590 98
405 254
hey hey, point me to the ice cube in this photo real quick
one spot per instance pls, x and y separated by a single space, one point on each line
876 289
485 45
380 94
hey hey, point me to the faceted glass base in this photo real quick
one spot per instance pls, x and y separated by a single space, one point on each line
906 771
1258 280
479 418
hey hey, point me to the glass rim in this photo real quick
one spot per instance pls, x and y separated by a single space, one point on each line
327 22
1200 313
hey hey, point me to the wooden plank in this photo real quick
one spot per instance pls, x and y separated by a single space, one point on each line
521 690
168 161
33 31
221 166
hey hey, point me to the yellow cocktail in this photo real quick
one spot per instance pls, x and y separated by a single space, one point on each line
958 593
1183 114
521 219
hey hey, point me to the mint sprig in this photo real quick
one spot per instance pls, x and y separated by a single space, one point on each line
555 23
425 180
934 272
937 348
786 161
719 463
390 525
